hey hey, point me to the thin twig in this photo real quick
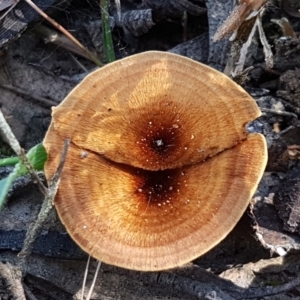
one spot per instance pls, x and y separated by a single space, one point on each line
36 227
52 36
13 278
78 63
28 292
8 135
65 32
279 112
286 130
89 295
269 57
11 6
85 277
45 102
56 177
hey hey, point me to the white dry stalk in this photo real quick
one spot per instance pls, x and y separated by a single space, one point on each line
89 295
10 138
8 135
266 46
244 50
118 5
85 277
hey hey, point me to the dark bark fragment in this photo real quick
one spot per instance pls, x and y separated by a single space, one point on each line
218 11
173 8
136 22
287 202
17 20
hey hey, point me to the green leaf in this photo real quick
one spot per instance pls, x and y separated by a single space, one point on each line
37 156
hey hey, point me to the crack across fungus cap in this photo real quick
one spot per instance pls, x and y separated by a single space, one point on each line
160 166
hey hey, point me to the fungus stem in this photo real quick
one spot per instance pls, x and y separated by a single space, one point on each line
106 32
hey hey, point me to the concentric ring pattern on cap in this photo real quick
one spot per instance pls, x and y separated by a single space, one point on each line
160 166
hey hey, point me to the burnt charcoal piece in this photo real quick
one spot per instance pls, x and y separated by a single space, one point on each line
137 22
291 7
172 8
287 202
290 86
196 49
287 56
278 158
218 11
52 244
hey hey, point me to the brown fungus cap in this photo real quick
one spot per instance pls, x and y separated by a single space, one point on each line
160 166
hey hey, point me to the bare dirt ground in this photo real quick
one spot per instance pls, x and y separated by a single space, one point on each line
260 259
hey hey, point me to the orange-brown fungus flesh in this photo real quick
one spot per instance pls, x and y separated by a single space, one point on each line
160 167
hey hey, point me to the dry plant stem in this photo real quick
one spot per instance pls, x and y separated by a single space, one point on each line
45 102
233 22
243 53
280 113
65 32
78 63
88 297
28 292
118 6
8 135
2 7
85 277
244 49
36 227
12 276
286 130
237 17
285 26
52 36
266 46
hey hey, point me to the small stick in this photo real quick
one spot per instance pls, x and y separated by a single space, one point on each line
17 90
28 292
13 278
65 32
36 227
237 17
52 36
294 147
88 297
279 112
8 135
284 131
269 57
85 277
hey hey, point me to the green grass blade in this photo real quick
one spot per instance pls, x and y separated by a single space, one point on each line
106 32
9 161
